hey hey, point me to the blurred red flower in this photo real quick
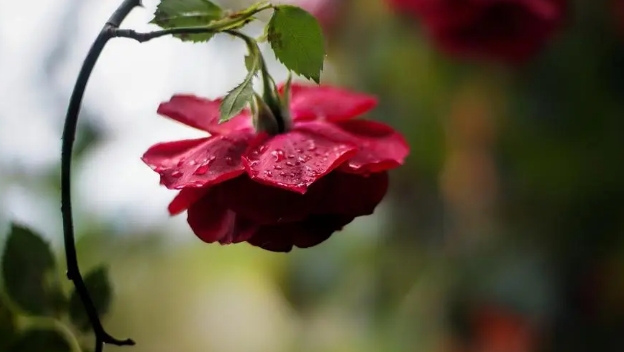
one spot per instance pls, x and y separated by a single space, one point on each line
325 11
276 192
618 12
511 31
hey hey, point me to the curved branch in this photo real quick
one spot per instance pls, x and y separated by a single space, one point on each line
69 134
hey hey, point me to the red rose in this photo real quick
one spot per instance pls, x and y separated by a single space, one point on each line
294 188
505 30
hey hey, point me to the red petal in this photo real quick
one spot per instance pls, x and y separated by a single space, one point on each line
209 220
303 234
353 194
380 147
185 199
269 205
323 102
294 160
199 163
202 114
242 230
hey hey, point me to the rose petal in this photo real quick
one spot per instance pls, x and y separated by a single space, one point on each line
166 155
266 204
203 114
185 199
294 160
380 147
353 194
308 233
199 163
209 220
242 231
323 102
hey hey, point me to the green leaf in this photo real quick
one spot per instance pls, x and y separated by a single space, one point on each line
100 290
239 97
297 40
251 63
187 13
40 341
27 271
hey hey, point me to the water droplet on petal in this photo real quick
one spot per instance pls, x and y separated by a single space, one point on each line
176 174
229 161
282 173
180 162
268 173
311 146
277 167
278 154
290 163
298 150
263 148
291 156
201 170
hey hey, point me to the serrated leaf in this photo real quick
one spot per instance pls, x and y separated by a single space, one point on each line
27 265
39 341
297 40
239 97
100 290
187 13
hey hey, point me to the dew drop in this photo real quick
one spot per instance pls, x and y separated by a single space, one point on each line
290 163
278 154
201 170
229 161
291 156
176 174
268 173
192 162
263 148
277 167
282 174
311 146
298 150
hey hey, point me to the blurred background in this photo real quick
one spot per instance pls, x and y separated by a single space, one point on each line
502 233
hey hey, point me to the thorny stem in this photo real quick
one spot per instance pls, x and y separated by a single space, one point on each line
69 134
111 30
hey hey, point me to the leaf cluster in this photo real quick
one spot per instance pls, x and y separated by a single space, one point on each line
33 304
294 35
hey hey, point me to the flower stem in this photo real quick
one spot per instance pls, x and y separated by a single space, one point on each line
69 134
270 94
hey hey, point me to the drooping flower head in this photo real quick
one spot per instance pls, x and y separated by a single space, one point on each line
277 191
511 31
